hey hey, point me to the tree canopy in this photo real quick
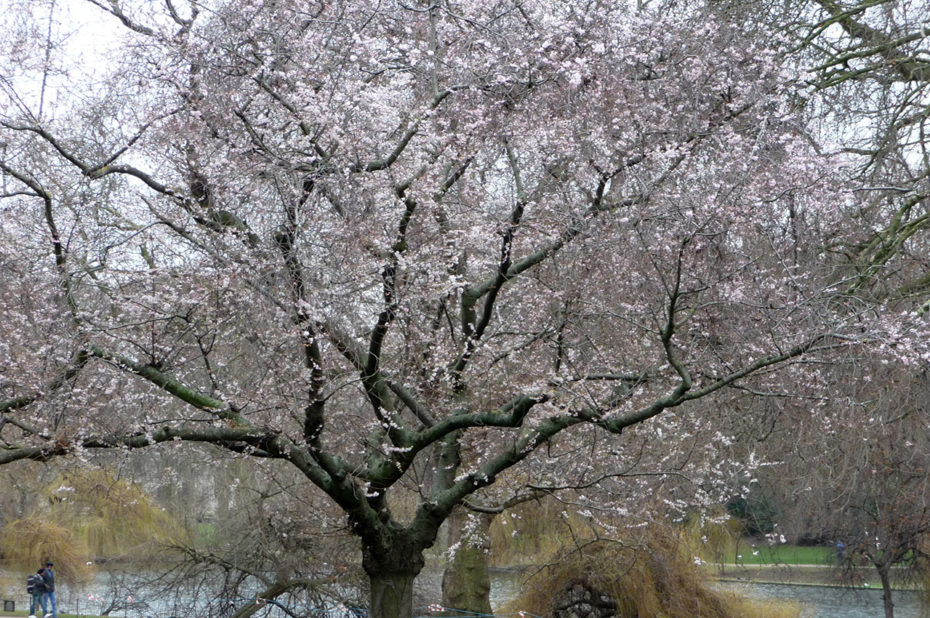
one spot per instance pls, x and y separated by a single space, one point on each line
409 244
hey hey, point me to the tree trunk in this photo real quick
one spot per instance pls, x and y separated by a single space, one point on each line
391 595
466 584
884 575
391 571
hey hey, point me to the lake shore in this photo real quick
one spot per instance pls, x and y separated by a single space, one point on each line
806 575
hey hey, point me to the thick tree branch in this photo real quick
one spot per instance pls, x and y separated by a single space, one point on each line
113 8
307 329
680 394
216 407
903 66
371 377
382 164
58 247
441 503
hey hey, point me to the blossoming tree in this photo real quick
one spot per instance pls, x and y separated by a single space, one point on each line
396 244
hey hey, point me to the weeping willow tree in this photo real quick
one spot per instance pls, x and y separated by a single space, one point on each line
652 571
85 516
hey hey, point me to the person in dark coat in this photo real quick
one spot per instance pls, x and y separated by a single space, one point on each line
36 587
50 601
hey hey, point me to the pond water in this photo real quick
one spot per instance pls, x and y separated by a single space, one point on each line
815 601
829 602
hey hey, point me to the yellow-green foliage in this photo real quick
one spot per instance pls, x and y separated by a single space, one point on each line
656 577
27 543
525 534
111 517
713 536
87 514
752 608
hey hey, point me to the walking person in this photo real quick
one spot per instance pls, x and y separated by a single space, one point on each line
51 603
35 586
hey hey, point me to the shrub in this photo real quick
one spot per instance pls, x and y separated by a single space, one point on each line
656 575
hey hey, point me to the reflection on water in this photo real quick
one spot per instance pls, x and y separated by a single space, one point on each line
505 585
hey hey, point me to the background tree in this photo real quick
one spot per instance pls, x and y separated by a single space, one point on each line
401 246
867 67
859 476
282 545
85 516
593 478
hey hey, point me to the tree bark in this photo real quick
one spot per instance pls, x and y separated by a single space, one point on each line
391 595
884 575
263 599
392 567
466 584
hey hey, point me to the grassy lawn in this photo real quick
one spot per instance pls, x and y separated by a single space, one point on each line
795 564
746 554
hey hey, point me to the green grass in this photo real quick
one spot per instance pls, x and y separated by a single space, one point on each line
781 554
205 532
